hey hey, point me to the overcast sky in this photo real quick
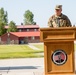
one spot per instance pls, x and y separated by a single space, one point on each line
42 9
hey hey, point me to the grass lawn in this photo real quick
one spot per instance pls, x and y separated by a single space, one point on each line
75 46
40 46
19 51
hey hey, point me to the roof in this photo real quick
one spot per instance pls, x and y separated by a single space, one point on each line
25 34
25 26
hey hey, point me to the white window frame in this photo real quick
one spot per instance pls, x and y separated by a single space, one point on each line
33 38
35 29
27 30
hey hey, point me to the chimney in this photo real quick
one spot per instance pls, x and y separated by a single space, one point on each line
21 23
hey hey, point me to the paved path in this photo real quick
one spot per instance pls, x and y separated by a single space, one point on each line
33 47
24 66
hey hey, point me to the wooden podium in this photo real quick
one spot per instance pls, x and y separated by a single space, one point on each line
59 50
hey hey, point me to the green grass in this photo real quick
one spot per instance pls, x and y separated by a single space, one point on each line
74 46
19 51
40 46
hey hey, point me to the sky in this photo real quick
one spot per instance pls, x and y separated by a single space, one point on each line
42 10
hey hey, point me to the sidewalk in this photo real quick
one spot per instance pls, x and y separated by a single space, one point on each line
24 66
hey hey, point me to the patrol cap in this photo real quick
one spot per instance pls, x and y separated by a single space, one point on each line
58 7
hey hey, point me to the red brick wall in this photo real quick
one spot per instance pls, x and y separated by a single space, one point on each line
16 40
30 29
36 40
13 39
23 40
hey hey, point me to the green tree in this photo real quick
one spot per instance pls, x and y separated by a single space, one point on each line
3 16
28 18
12 27
2 28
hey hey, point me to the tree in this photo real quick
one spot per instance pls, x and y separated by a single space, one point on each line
2 28
12 27
3 16
28 18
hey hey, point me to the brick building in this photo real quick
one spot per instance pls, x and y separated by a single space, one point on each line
25 34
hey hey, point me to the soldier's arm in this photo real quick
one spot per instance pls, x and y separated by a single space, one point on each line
50 22
68 22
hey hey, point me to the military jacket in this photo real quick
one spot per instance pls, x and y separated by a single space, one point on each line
59 21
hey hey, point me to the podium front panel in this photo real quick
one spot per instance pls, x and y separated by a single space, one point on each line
59 57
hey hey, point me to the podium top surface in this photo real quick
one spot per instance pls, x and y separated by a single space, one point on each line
59 28
58 34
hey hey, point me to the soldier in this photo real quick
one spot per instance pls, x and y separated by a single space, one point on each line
59 19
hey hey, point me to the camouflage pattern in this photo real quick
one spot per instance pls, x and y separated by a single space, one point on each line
63 21
58 7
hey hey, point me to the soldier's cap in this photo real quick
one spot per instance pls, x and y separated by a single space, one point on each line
58 7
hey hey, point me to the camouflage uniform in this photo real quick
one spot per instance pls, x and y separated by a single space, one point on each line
59 21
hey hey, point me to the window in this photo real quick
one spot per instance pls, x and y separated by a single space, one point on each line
0 39
27 29
35 29
20 30
33 37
